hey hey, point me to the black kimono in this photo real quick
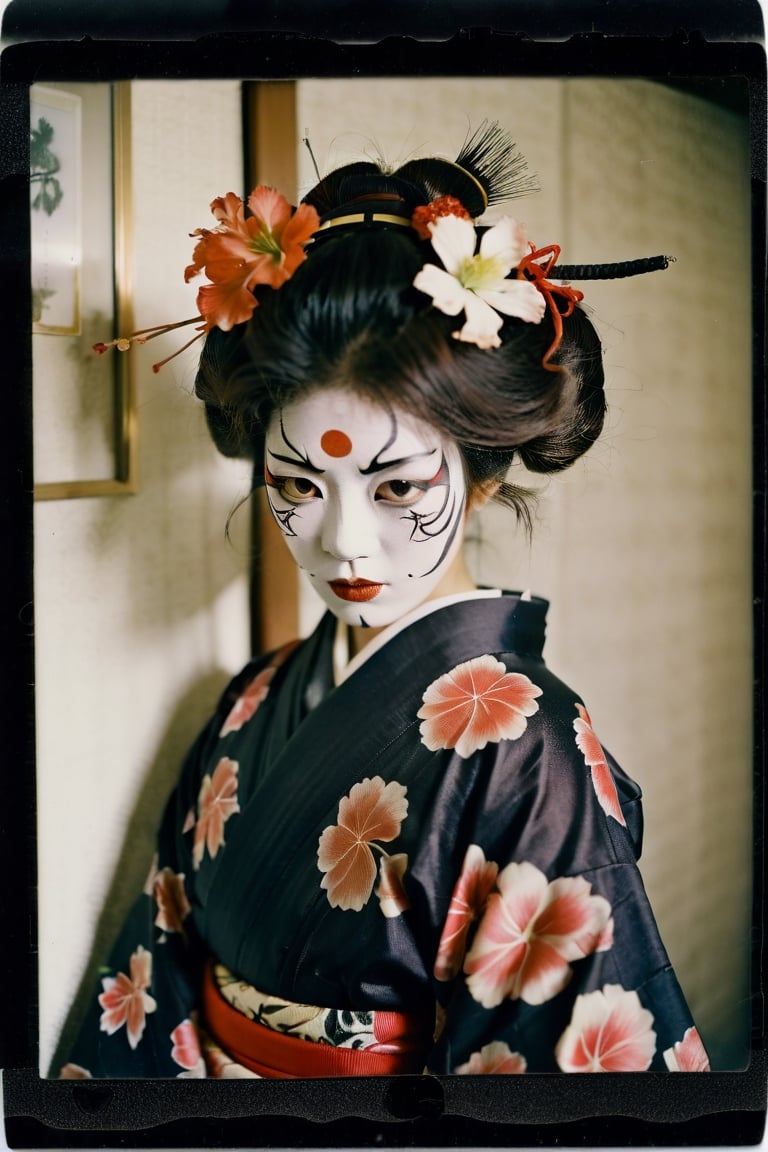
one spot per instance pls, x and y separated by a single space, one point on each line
430 865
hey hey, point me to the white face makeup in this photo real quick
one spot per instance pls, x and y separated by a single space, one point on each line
371 502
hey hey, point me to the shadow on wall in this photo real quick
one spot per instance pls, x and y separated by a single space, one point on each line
194 523
139 844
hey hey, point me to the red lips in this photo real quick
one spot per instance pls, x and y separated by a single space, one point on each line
358 591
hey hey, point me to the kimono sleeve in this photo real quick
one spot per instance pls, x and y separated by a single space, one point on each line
549 958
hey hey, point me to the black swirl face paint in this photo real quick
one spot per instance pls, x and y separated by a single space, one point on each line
444 521
371 502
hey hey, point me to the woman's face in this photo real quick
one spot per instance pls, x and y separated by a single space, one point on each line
371 502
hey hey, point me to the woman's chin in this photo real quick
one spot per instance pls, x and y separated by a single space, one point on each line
365 615
365 612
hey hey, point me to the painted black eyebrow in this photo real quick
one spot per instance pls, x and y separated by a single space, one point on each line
303 461
377 465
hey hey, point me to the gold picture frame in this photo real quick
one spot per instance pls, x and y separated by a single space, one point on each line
85 405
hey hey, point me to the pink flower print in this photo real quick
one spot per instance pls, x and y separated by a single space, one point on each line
530 933
476 702
125 999
688 1054
602 778
249 700
391 893
494 1059
473 886
256 691
74 1072
171 899
610 1031
186 1046
220 1066
215 804
605 941
372 811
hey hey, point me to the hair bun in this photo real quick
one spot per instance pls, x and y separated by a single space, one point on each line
345 185
489 169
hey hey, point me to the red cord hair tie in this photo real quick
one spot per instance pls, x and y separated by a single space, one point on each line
530 269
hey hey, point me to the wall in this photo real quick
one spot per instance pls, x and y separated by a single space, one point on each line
141 604
643 548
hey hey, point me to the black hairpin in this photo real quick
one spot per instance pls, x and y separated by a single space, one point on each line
610 271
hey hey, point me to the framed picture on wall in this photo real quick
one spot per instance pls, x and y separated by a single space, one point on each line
84 404
55 142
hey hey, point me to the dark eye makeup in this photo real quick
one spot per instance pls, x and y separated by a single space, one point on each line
296 488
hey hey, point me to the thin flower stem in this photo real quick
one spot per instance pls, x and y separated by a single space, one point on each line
160 363
158 329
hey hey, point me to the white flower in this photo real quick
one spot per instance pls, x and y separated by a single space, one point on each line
477 283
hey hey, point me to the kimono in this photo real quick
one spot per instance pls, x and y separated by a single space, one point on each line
430 865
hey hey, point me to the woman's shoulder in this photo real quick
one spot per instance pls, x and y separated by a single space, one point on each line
253 680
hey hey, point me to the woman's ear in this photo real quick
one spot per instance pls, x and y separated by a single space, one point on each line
480 494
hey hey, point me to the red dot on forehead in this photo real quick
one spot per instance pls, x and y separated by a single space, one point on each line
335 443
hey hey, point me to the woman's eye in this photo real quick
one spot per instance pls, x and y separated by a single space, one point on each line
297 488
399 491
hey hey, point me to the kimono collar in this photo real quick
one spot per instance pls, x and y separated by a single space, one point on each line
343 667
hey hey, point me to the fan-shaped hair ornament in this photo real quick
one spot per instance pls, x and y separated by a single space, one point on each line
491 156
488 170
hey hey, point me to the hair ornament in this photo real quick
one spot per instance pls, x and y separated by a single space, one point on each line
534 268
494 161
427 214
475 279
500 275
370 209
238 256
618 271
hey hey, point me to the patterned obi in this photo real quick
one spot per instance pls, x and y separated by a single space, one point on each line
278 1039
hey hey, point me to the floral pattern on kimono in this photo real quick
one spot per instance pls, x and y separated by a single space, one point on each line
442 834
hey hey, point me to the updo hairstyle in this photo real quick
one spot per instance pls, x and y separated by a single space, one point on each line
350 317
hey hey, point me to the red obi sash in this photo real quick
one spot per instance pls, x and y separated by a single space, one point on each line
401 1044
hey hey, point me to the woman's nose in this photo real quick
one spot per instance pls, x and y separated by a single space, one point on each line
348 530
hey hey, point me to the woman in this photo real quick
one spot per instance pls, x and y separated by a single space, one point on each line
398 845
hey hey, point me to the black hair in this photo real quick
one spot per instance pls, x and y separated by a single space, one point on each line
350 317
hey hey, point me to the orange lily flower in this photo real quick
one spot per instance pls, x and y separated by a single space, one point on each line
236 256
240 253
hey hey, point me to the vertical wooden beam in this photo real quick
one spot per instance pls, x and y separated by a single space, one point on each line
269 114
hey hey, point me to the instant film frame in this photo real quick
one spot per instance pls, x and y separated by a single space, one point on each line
49 1112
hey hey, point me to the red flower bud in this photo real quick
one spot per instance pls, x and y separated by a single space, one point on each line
426 214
